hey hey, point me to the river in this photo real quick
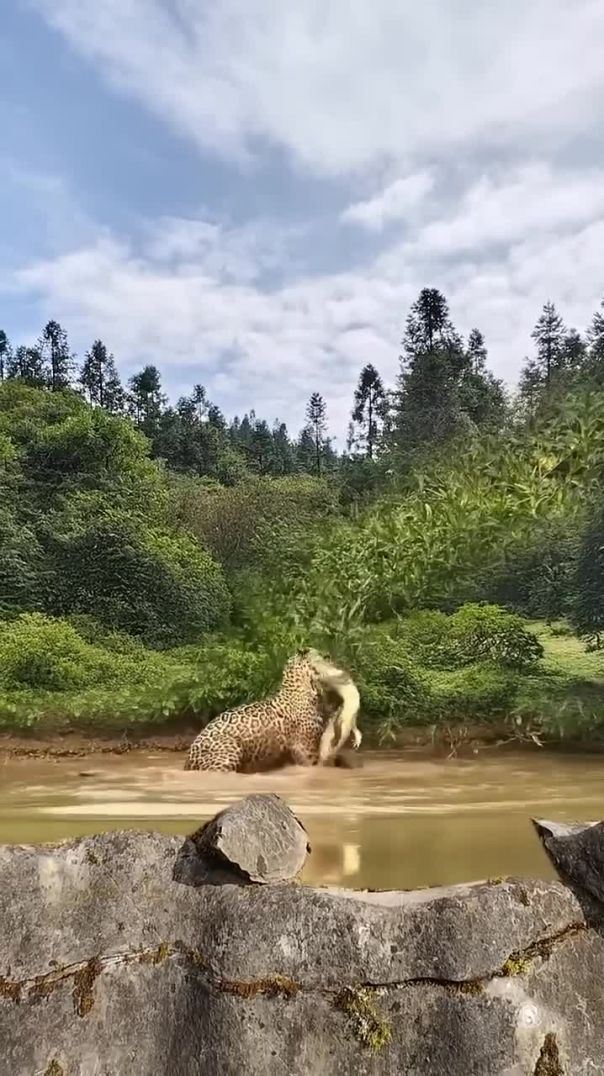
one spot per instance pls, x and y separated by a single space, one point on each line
402 820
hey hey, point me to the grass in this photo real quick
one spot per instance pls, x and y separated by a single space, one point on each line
112 684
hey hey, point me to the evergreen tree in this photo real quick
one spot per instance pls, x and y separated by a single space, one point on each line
100 379
5 354
260 449
146 400
587 612
369 411
559 356
306 460
595 348
574 350
199 399
316 414
55 350
27 364
481 396
476 352
283 452
427 407
216 417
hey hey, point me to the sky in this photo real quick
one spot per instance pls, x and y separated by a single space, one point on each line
251 193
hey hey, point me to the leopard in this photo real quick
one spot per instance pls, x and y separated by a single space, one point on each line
293 727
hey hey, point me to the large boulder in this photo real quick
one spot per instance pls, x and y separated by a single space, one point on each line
110 965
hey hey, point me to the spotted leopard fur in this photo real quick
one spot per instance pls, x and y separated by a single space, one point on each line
285 729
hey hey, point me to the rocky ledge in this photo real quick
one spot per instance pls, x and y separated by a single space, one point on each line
136 954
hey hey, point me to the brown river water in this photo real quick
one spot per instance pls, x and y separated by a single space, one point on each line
402 820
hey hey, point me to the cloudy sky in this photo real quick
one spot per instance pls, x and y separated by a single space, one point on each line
250 193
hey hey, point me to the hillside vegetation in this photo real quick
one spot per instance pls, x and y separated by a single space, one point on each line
160 564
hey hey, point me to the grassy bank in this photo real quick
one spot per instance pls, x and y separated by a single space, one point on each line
430 677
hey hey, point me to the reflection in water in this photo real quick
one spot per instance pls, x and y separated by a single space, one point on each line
401 821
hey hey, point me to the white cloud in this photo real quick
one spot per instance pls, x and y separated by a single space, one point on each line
200 314
345 84
524 201
395 203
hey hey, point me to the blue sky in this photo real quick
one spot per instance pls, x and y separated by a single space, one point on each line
250 194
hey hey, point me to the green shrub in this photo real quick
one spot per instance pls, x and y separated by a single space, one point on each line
162 587
254 522
486 632
477 692
537 576
390 683
587 611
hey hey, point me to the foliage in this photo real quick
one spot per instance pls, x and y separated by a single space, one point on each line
250 523
587 611
458 519
159 585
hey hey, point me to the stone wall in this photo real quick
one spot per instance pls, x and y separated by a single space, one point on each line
137 954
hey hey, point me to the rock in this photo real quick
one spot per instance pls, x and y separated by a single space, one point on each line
258 837
109 965
577 853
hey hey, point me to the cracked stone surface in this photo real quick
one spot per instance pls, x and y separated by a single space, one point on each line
109 965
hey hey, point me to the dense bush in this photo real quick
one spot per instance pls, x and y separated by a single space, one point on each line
537 575
161 586
245 524
587 612
46 653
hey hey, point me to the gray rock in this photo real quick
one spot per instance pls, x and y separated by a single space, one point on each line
109 965
257 839
577 852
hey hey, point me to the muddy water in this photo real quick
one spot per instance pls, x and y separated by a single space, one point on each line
403 820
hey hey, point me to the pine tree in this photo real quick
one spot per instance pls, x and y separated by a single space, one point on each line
283 452
427 407
595 348
27 364
316 414
100 379
55 349
481 395
260 449
146 400
548 371
574 350
549 334
369 411
199 400
5 354
306 460
476 352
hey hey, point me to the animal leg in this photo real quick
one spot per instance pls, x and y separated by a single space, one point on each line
301 755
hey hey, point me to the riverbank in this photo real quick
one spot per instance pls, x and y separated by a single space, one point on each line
455 684
457 741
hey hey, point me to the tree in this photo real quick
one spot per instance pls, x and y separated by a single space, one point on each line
146 399
305 451
481 395
574 350
369 410
549 334
55 349
476 352
427 408
595 348
27 364
100 379
5 354
316 413
283 452
587 612
200 402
